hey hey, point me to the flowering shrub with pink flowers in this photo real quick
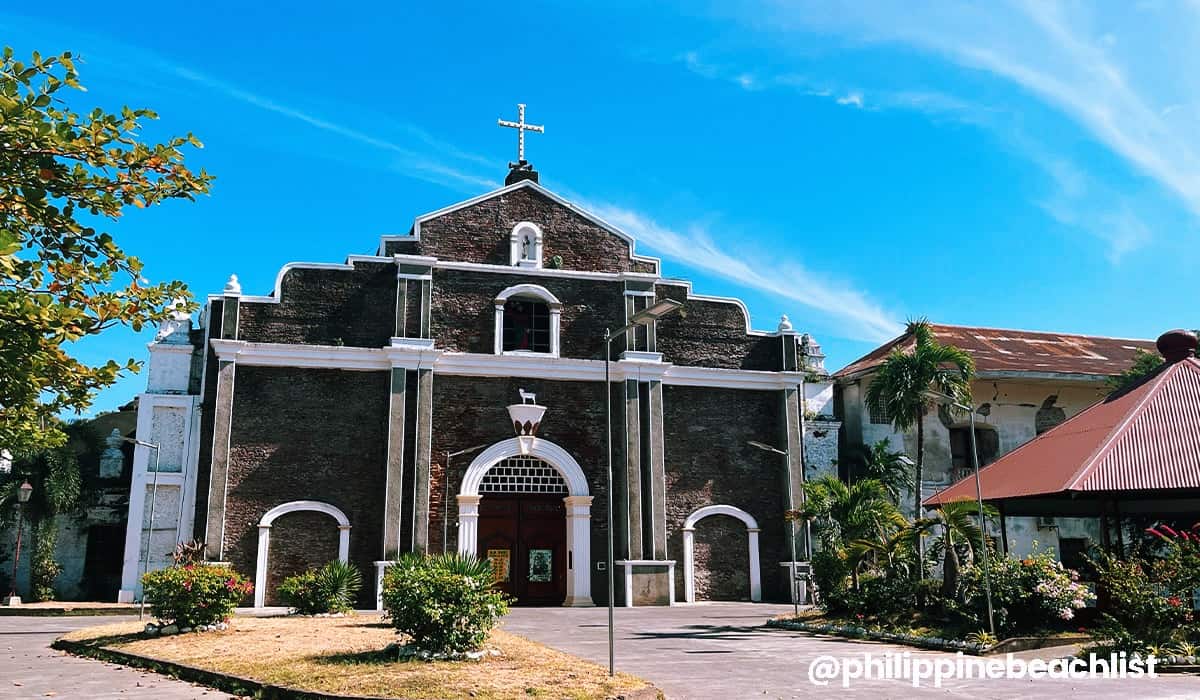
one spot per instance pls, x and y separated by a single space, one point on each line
194 594
1149 598
1032 593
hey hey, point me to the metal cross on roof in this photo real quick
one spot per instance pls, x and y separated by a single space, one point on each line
521 128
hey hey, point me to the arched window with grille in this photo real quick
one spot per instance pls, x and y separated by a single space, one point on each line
527 321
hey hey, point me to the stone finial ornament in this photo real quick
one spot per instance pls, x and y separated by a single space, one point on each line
785 324
112 460
174 328
233 286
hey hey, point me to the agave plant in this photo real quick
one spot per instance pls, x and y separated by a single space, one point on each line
340 582
983 638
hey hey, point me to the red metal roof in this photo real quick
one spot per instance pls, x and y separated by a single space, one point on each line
1146 438
1000 350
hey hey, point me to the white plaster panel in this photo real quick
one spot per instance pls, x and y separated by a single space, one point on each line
166 507
168 429
170 369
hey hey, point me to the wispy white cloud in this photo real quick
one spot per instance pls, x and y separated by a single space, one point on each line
927 101
853 99
432 167
856 315
1131 91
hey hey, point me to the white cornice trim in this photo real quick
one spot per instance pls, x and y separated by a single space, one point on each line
540 271
421 356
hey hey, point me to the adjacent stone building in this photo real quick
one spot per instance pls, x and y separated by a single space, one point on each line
361 410
1025 384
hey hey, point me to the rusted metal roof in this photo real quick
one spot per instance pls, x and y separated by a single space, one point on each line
1145 439
997 350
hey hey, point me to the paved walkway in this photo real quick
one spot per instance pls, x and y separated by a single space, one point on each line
29 668
721 650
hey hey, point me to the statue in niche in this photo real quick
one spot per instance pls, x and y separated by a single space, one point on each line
526 247
112 461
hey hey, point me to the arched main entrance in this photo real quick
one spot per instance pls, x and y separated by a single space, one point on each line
532 477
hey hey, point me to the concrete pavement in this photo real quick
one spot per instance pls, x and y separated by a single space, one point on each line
721 650
29 668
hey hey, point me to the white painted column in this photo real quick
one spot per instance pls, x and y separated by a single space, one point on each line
498 334
579 551
689 565
260 567
468 525
380 569
344 543
755 574
555 322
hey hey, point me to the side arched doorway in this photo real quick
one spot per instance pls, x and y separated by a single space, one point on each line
689 546
524 504
314 515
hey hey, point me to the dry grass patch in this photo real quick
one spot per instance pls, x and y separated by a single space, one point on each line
344 656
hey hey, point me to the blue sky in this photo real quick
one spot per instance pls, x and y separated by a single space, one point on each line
1020 165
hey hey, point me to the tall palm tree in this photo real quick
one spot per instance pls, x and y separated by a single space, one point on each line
899 387
958 523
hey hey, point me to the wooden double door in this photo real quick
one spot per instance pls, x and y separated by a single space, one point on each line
525 537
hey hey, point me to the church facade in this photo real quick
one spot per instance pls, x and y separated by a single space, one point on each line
448 394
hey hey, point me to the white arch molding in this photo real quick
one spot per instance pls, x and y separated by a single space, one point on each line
578 507
264 539
532 291
689 561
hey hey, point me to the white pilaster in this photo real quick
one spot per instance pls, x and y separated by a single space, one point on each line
579 552
260 567
755 574
468 524
689 565
344 542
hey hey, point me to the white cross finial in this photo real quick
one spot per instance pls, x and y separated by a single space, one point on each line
521 128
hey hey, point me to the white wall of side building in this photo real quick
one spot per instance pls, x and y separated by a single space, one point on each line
169 417
1013 406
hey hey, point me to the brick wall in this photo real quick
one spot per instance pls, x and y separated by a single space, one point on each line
300 541
480 233
463 310
319 306
722 555
713 334
708 462
305 434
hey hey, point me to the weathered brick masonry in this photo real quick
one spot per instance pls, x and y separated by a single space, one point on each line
307 434
463 310
708 461
713 334
319 306
480 234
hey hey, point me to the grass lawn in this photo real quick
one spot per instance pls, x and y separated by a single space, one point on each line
344 656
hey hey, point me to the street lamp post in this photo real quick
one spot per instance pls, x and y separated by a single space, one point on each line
446 493
791 504
987 577
150 525
24 492
642 318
